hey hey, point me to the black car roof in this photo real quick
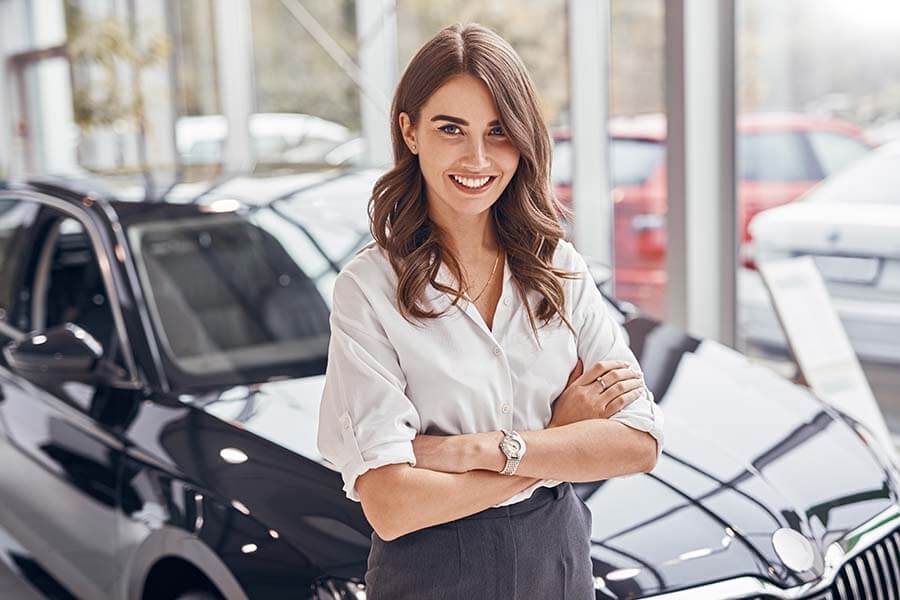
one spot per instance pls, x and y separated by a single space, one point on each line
151 202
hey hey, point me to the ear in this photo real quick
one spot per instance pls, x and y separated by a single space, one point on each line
409 132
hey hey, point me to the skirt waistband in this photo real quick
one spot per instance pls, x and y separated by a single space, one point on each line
539 497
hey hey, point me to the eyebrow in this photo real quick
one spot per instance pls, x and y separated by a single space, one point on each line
459 121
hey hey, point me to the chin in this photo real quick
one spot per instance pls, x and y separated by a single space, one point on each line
472 208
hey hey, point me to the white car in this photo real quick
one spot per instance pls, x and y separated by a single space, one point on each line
276 138
850 224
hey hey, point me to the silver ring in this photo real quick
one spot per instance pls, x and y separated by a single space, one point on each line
602 385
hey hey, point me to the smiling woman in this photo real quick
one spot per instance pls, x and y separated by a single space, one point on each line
455 404
470 138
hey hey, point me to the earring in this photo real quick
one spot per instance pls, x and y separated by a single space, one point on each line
413 148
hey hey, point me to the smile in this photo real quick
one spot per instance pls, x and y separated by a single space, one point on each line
472 184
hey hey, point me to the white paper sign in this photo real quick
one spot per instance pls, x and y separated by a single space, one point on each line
819 342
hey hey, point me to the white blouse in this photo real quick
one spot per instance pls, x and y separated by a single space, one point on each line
388 380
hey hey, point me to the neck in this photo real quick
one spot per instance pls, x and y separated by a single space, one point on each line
472 236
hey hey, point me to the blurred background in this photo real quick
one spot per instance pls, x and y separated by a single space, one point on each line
158 92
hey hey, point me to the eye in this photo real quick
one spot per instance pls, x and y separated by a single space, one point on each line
444 129
499 131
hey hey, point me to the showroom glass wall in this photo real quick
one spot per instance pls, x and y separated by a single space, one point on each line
818 89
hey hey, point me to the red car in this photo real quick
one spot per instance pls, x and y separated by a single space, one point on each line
779 156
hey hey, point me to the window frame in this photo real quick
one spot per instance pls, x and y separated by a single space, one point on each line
132 379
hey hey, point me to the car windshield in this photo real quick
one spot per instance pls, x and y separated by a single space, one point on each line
243 297
874 179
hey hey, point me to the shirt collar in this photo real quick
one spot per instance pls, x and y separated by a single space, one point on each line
440 300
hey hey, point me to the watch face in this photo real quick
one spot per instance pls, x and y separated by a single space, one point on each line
511 447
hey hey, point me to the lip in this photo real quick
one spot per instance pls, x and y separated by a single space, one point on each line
470 191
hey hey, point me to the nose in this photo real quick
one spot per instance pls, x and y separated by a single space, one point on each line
476 155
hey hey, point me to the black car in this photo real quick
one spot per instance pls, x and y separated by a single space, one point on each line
161 372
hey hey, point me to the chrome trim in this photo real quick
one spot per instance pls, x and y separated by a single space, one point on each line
140 301
850 547
11 332
105 268
874 569
895 569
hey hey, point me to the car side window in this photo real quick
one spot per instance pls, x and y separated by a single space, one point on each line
68 284
16 217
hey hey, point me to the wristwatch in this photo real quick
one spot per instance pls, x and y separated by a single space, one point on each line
513 447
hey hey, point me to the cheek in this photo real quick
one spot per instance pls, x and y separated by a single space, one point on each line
433 168
509 162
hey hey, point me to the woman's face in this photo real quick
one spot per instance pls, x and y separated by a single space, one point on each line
464 154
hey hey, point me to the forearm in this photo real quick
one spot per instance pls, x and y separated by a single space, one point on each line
421 498
588 450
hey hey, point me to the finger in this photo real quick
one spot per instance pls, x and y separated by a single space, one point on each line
617 404
576 372
619 388
621 374
599 368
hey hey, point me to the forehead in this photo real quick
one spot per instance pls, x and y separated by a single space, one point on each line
462 96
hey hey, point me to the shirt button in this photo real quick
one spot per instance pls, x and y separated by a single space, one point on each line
497 351
506 301
505 408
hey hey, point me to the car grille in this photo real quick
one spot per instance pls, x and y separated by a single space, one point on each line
872 574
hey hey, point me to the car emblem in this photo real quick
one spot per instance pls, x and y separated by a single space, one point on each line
794 550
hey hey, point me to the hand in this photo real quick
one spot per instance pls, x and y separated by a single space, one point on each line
439 453
585 398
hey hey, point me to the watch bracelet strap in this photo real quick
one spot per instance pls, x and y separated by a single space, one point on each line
511 465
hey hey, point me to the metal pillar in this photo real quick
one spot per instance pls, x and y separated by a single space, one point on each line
589 108
702 205
234 49
376 27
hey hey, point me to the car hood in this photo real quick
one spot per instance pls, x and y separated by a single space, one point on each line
746 453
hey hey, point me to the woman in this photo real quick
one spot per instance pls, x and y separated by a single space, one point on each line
456 405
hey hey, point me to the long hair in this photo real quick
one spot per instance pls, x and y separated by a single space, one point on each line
526 215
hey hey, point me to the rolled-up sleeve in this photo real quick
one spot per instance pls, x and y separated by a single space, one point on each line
601 338
365 418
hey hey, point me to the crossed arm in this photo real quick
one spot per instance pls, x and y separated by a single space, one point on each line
458 475
569 453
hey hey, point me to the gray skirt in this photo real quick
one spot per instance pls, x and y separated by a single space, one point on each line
530 550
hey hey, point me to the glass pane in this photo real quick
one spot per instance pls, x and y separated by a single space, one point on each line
632 162
637 138
823 75
307 100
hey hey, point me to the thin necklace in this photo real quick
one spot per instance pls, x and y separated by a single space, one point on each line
496 261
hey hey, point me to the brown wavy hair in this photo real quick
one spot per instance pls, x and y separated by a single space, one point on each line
526 215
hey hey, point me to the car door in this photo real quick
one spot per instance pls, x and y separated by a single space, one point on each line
60 453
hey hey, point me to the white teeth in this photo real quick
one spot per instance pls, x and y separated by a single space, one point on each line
471 183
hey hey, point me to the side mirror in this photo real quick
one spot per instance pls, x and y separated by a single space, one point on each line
62 353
